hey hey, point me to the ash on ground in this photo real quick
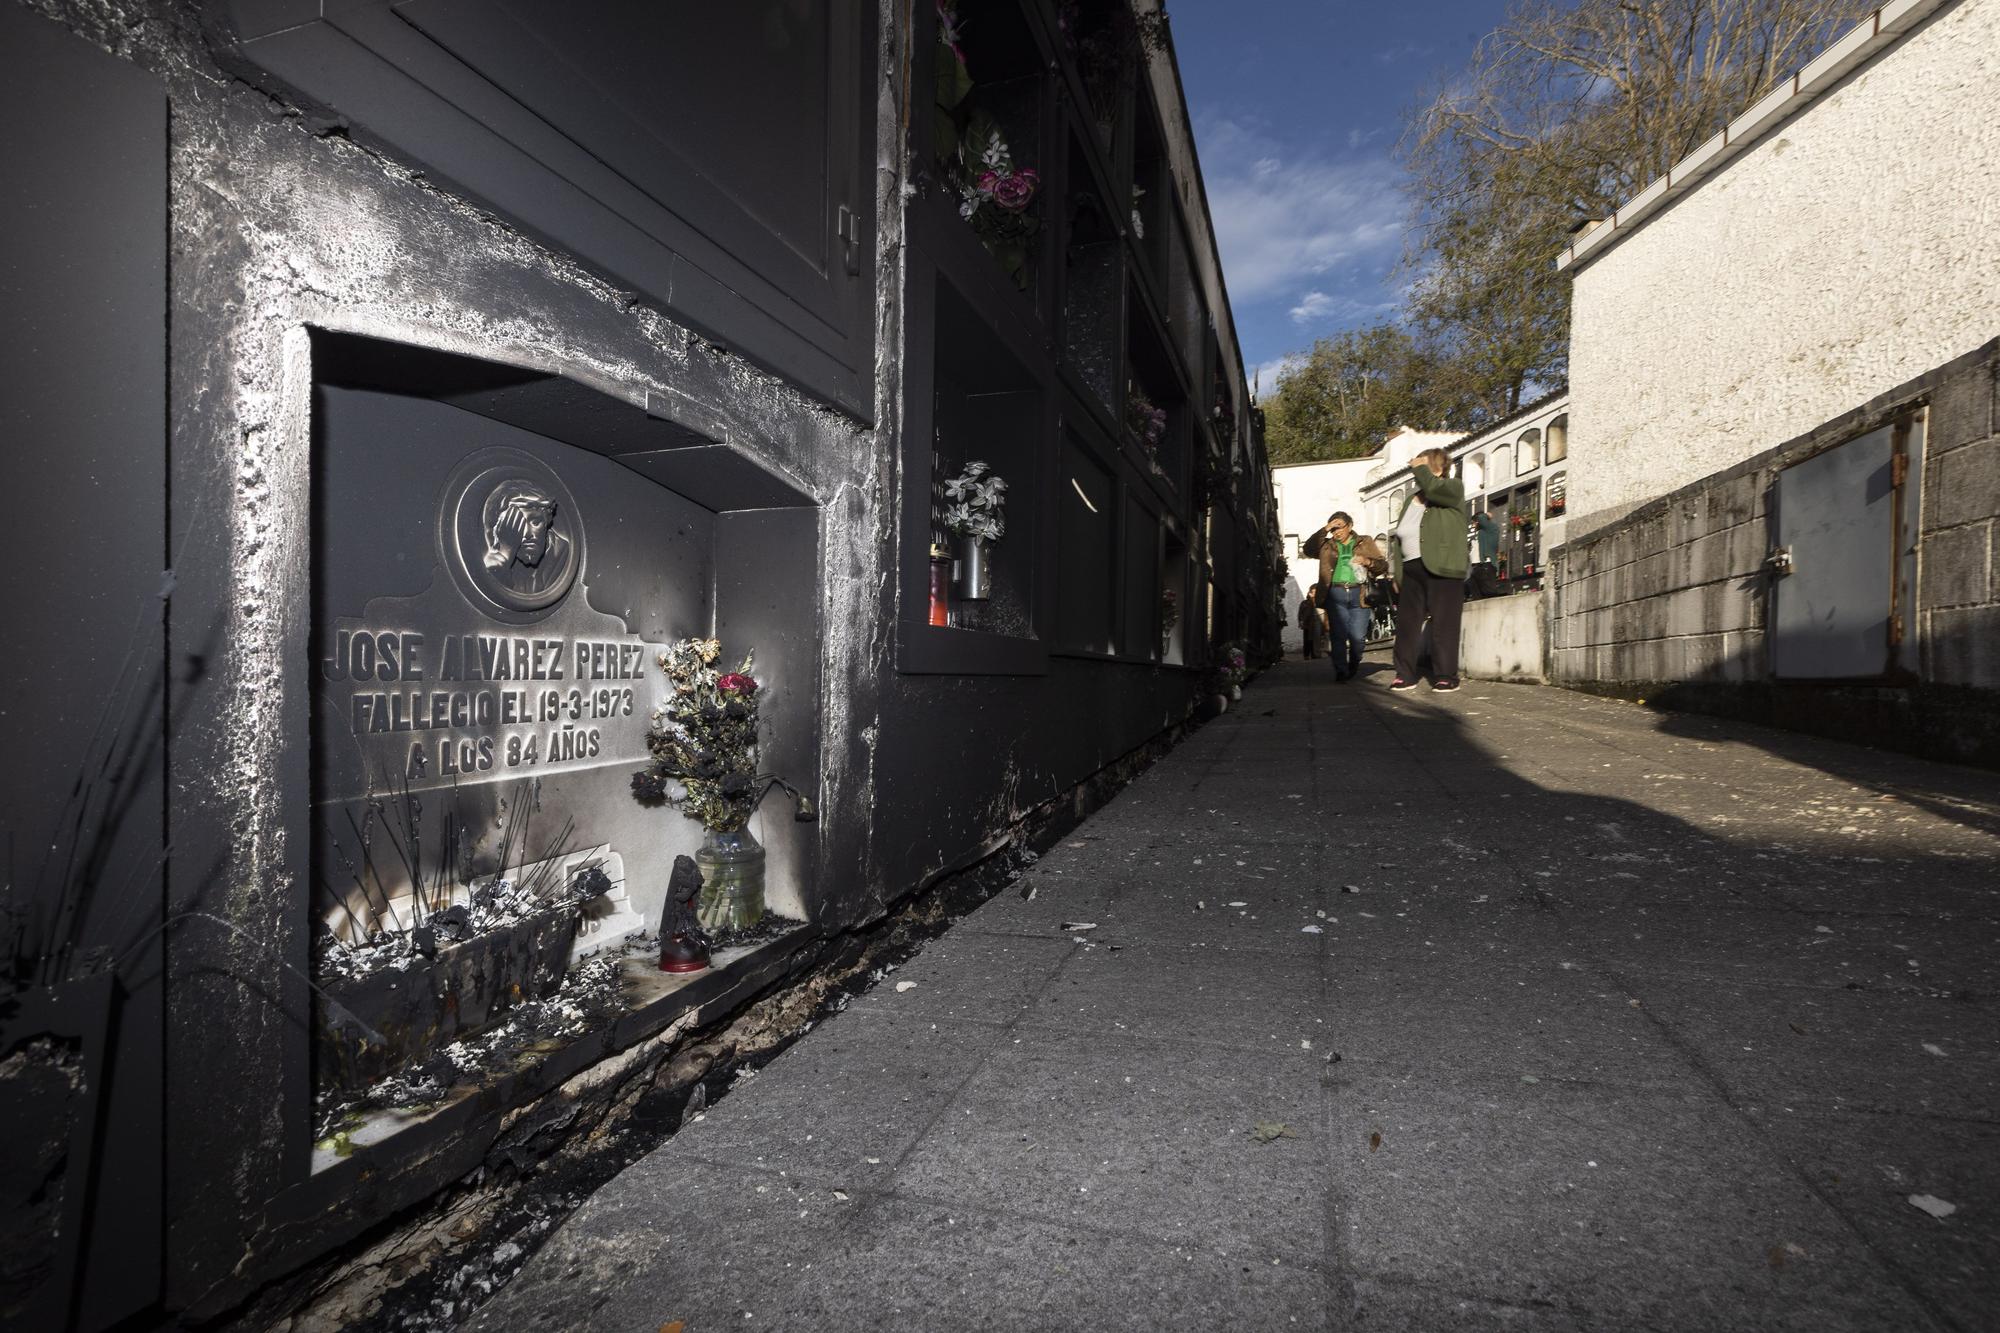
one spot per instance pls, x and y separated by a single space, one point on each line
740 937
492 905
589 999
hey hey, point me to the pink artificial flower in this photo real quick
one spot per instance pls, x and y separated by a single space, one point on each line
736 683
1017 191
988 182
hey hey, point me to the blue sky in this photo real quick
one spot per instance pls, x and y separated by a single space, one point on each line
1297 105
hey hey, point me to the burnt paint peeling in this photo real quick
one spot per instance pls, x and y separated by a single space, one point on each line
280 226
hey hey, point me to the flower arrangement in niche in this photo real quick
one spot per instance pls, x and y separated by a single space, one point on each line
1144 423
996 195
704 745
977 497
1138 223
1232 664
704 742
704 738
1170 611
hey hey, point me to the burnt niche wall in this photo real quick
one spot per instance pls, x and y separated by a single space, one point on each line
489 603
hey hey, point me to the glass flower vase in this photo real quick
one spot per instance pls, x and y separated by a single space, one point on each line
732 873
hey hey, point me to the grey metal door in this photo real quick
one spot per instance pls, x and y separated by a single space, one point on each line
1834 613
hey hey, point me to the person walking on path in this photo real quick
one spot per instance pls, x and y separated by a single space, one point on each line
1347 560
1431 585
1309 627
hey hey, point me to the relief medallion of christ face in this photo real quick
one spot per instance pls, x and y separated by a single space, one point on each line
510 534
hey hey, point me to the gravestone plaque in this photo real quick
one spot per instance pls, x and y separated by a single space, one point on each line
489 609
500 669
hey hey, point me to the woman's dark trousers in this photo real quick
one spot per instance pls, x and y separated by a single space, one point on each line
1425 596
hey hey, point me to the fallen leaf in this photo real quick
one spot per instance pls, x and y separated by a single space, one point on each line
1933 1205
1350 888
1310 930
1796 1028
1934 1050
902 986
674 1327
1267 1130
1374 1140
1529 1078
1079 925
840 1195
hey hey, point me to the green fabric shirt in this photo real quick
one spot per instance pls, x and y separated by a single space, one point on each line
1343 561
1443 532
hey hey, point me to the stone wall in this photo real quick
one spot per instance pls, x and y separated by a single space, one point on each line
1847 251
1670 603
1505 638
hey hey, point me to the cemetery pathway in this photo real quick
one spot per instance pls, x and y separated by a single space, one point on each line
1512 1008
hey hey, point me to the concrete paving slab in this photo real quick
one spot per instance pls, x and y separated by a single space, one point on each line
1816 1048
1792 948
1253 1002
1453 1012
970 976
843 1107
1530 862
1394 1307
1870 1166
675 1239
1577 1196
1146 1137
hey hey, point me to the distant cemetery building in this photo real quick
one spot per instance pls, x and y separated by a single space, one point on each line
471 461
1785 500
1516 473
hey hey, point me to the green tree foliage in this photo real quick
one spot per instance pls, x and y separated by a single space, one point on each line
1569 108
1352 391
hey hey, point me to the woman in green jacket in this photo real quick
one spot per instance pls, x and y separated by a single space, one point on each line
1433 578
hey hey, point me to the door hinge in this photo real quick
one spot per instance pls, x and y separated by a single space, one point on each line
848 228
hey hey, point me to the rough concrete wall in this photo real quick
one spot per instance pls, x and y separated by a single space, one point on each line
1958 589
1850 252
1505 638
1674 593
1672 602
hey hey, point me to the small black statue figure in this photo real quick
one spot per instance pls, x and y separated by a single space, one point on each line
683 943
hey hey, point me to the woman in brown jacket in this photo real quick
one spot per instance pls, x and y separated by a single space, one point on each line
1347 560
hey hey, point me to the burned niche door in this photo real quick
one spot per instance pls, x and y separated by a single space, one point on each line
83 688
1842 564
716 157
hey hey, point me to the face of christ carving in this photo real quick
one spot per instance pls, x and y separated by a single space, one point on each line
521 535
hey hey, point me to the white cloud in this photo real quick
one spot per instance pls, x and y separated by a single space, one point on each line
1282 219
1406 51
1311 306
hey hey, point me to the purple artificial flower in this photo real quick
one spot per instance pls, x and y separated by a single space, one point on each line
1016 191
